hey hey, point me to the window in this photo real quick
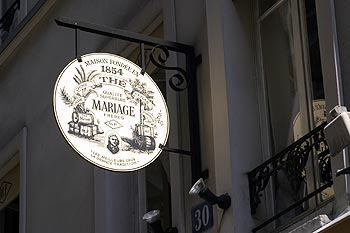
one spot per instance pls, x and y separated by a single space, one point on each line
293 97
9 17
12 185
9 201
15 15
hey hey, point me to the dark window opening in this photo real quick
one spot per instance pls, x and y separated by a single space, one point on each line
9 217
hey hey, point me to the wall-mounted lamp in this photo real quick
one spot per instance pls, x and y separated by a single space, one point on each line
199 188
152 218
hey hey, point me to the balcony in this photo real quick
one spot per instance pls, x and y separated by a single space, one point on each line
285 174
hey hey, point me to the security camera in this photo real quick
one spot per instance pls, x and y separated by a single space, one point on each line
337 132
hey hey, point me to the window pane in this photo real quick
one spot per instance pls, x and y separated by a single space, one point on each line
283 103
9 201
314 54
158 188
9 217
318 97
5 5
277 51
9 15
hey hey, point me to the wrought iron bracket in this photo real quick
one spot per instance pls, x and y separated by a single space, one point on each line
122 34
183 79
173 150
344 171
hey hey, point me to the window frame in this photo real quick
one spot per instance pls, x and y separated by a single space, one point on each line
17 146
28 20
303 76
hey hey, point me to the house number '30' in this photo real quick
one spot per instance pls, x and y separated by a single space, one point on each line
202 217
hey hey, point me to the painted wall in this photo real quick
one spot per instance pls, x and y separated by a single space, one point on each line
242 101
60 185
223 33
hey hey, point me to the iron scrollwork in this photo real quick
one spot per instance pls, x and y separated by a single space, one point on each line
179 81
292 161
324 158
257 183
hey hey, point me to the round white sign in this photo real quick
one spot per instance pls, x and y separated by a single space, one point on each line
110 113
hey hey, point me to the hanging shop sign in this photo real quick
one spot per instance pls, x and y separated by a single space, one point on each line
110 113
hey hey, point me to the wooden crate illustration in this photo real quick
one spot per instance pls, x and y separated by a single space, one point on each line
88 130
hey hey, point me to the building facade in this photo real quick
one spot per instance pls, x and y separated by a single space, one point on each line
267 74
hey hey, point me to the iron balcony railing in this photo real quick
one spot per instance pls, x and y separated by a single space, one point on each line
7 18
292 162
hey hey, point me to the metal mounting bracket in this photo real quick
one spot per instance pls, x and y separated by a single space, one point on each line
183 79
